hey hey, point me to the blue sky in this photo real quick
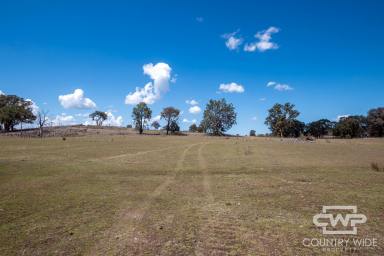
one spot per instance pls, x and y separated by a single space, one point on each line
326 57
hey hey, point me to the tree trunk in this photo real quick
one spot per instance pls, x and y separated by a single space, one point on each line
168 127
141 126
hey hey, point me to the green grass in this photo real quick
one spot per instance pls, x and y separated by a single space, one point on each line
194 195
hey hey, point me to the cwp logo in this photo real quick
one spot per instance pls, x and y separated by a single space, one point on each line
326 220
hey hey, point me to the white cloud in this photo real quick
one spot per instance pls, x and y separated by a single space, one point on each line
113 120
279 87
193 121
264 42
263 99
233 42
1 93
199 19
63 119
34 107
192 102
231 87
156 118
254 118
82 115
342 116
194 110
152 91
76 100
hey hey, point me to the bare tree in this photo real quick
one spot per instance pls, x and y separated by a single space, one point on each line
42 119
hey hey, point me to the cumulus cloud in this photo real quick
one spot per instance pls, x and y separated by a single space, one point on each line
194 110
63 119
152 91
279 87
264 41
156 118
193 121
34 107
76 100
1 93
192 102
231 87
113 120
232 41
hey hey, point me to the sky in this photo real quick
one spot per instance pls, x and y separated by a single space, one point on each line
73 57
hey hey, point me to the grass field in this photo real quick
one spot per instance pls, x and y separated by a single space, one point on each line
191 195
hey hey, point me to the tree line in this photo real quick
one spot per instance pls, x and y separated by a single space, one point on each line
282 121
219 116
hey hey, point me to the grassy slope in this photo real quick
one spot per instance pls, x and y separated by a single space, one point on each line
179 195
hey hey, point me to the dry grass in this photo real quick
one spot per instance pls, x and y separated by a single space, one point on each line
194 195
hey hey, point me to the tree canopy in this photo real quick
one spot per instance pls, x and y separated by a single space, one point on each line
282 121
15 110
375 121
155 124
99 117
219 116
319 128
171 116
141 114
351 127
193 128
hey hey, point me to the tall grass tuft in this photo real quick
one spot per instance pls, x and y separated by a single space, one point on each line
376 167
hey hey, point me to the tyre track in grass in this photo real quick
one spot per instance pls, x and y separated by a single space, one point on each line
116 239
220 229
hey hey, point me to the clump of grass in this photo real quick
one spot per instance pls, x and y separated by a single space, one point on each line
376 167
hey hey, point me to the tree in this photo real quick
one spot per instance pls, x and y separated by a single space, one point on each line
281 117
375 121
294 129
156 125
174 127
141 114
171 115
252 133
351 126
42 119
219 116
319 128
99 117
193 128
15 110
